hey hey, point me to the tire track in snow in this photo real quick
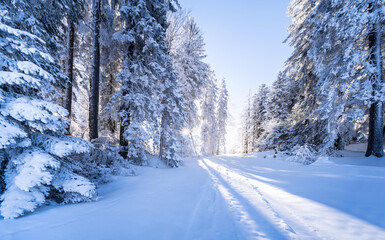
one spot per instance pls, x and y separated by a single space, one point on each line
194 218
252 224
309 219
258 200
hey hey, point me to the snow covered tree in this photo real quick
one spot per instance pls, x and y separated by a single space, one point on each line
344 56
222 115
74 14
209 128
151 108
35 153
111 64
375 73
186 46
246 126
258 116
278 107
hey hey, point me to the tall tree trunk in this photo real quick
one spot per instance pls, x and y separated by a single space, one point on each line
94 98
375 141
125 121
69 68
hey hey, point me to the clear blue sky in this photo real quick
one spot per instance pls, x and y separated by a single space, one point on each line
244 40
244 44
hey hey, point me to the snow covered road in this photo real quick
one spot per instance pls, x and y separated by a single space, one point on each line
228 197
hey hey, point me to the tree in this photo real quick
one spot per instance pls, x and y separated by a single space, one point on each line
94 98
186 46
111 63
376 141
222 115
35 152
209 128
258 117
278 108
73 16
151 108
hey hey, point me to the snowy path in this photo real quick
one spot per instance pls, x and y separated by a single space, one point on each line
228 197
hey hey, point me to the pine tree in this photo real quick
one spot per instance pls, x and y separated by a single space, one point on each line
258 117
222 115
111 63
35 162
186 47
209 128
74 14
151 107
335 71
279 106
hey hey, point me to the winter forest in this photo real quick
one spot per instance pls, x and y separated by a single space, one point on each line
114 125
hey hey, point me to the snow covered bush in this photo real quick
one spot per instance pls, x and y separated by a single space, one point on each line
102 161
302 154
34 151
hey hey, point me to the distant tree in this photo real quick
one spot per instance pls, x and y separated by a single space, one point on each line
208 117
247 126
258 116
222 116
186 47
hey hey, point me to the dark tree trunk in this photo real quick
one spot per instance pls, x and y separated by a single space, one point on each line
122 140
375 141
70 71
3 165
94 98
124 123
339 143
162 139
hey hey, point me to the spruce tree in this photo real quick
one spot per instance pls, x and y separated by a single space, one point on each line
35 162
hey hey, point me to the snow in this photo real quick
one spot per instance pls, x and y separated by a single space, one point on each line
8 133
26 188
253 196
32 69
18 32
14 78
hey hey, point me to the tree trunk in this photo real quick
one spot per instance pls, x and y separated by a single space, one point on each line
125 121
70 71
375 141
94 98
122 140
162 140
3 165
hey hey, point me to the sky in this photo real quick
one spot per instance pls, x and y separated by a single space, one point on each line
244 43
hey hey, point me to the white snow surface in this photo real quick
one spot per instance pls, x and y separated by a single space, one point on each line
252 196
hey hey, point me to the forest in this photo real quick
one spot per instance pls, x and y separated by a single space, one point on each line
114 125
88 88
330 92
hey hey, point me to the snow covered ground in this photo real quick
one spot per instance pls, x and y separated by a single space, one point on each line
251 196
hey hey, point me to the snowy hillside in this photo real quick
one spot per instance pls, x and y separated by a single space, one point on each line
252 196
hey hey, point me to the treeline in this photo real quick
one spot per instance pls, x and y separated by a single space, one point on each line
330 92
87 87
